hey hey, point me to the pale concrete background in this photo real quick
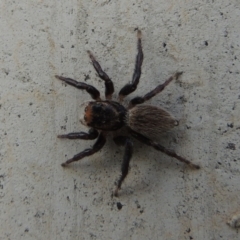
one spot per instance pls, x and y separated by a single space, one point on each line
161 198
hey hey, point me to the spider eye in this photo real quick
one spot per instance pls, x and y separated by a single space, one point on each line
85 109
97 108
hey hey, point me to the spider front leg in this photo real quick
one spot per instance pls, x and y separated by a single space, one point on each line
129 88
160 148
87 152
109 88
122 140
92 134
154 92
80 85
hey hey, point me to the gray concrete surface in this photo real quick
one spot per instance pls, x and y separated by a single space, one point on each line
161 198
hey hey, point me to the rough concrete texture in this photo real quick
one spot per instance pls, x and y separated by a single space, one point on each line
161 197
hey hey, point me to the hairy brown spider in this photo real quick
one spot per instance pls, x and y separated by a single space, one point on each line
143 122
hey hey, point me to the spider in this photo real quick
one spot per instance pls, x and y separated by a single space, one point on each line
143 122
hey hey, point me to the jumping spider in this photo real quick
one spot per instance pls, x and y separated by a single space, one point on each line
143 122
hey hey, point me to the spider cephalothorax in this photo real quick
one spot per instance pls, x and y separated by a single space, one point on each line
105 115
143 122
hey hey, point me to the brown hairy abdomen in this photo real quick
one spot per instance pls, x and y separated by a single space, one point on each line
149 120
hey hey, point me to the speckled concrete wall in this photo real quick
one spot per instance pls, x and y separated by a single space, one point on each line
161 197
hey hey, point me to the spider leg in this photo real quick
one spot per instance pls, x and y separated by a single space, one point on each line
80 85
160 148
109 88
129 88
89 151
122 140
92 134
154 92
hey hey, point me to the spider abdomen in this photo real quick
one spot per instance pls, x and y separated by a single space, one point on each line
150 121
105 115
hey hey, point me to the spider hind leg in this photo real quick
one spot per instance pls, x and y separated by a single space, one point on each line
154 92
160 148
